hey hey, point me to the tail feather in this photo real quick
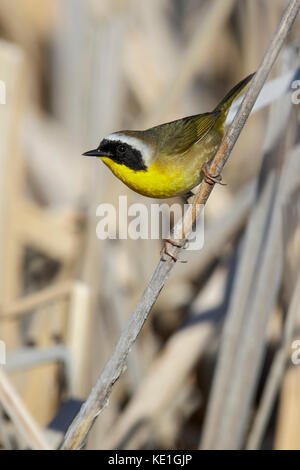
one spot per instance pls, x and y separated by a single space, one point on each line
226 102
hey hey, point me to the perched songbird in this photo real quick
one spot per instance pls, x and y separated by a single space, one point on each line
169 159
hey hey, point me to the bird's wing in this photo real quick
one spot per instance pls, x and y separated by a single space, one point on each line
179 136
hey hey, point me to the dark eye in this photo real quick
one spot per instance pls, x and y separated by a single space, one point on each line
121 148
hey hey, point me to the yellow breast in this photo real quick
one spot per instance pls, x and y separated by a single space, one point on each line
154 182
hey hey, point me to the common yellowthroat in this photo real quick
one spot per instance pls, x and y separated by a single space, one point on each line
170 159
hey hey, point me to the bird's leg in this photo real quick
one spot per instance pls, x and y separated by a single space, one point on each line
183 244
172 242
209 178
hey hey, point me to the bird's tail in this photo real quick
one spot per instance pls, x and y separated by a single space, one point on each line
226 102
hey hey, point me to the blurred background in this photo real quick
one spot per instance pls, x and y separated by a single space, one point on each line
74 71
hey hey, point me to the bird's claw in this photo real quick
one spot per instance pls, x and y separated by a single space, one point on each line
209 178
172 242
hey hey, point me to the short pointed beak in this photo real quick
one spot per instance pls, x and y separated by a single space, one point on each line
96 153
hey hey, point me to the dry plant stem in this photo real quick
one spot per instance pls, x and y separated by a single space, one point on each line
250 352
25 424
224 401
199 48
276 373
26 304
98 397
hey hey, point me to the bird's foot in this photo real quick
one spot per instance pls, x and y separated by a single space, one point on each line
209 178
175 243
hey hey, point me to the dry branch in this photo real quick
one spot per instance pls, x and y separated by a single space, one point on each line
199 49
98 397
276 373
187 345
161 387
259 269
288 422
25 305
17 412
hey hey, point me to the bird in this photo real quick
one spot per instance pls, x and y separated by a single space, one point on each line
169 159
